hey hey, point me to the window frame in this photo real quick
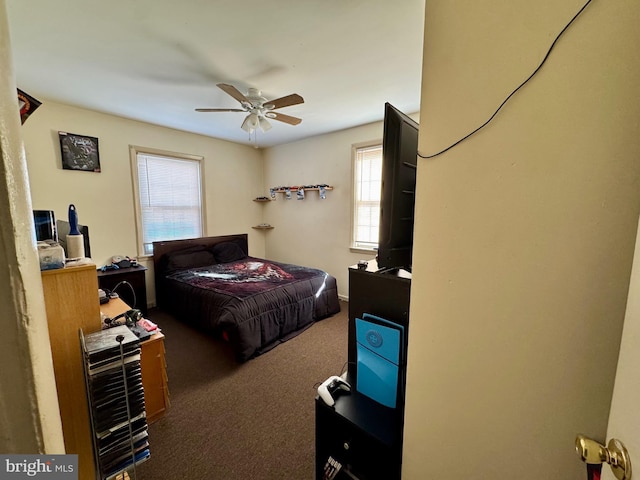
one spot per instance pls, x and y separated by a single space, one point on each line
134 150
353 246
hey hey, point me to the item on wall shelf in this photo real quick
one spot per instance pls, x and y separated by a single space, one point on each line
27 105
75 240
79 152
300 191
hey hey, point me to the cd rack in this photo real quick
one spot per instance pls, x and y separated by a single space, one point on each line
111 360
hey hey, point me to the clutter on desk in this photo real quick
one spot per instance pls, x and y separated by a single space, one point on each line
148 325
51 255
142 328
118 262
77 262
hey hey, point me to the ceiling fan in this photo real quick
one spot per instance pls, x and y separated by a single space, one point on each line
258 108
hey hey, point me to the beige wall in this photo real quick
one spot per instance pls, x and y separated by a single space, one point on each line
316 232
29 416
312 232
525 236
233 177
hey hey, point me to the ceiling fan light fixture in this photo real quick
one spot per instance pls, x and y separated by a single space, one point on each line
264 124
250 123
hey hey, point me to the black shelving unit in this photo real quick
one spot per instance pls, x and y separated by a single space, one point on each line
135 276
116 400
362 435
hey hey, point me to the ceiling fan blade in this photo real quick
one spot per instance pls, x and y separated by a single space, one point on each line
281 117
293 99
219 110
234 92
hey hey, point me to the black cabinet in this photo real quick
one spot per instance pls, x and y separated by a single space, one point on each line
362 435
134 276
385 295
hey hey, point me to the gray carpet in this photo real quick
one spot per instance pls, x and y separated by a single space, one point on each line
232 421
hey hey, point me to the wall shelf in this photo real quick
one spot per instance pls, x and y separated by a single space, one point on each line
261 199
299 191
263 227
295 189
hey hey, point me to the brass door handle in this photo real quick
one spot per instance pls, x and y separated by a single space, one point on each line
615 454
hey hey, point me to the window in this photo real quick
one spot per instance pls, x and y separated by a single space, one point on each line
367 178
168 196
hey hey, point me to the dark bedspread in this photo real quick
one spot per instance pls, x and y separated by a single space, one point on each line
253 302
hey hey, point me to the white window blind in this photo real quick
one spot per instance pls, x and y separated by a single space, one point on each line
367 183
170 199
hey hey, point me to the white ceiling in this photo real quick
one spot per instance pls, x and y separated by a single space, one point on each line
157 60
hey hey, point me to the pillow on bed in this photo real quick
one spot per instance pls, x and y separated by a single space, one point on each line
193 259
228 252
191 249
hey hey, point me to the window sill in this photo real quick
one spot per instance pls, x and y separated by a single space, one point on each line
369 251
146 258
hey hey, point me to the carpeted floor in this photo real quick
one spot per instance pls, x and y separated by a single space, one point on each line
231 421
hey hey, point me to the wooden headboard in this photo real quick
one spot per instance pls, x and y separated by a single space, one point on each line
160 249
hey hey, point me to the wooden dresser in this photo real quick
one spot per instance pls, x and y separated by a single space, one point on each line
71 300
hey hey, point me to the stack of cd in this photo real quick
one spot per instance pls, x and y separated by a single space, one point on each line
116 399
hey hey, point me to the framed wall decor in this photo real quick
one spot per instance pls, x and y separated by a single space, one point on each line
79 152
27 105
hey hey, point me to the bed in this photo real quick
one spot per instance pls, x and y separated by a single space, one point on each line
213 284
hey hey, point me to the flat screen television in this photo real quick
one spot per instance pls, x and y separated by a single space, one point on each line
397 197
